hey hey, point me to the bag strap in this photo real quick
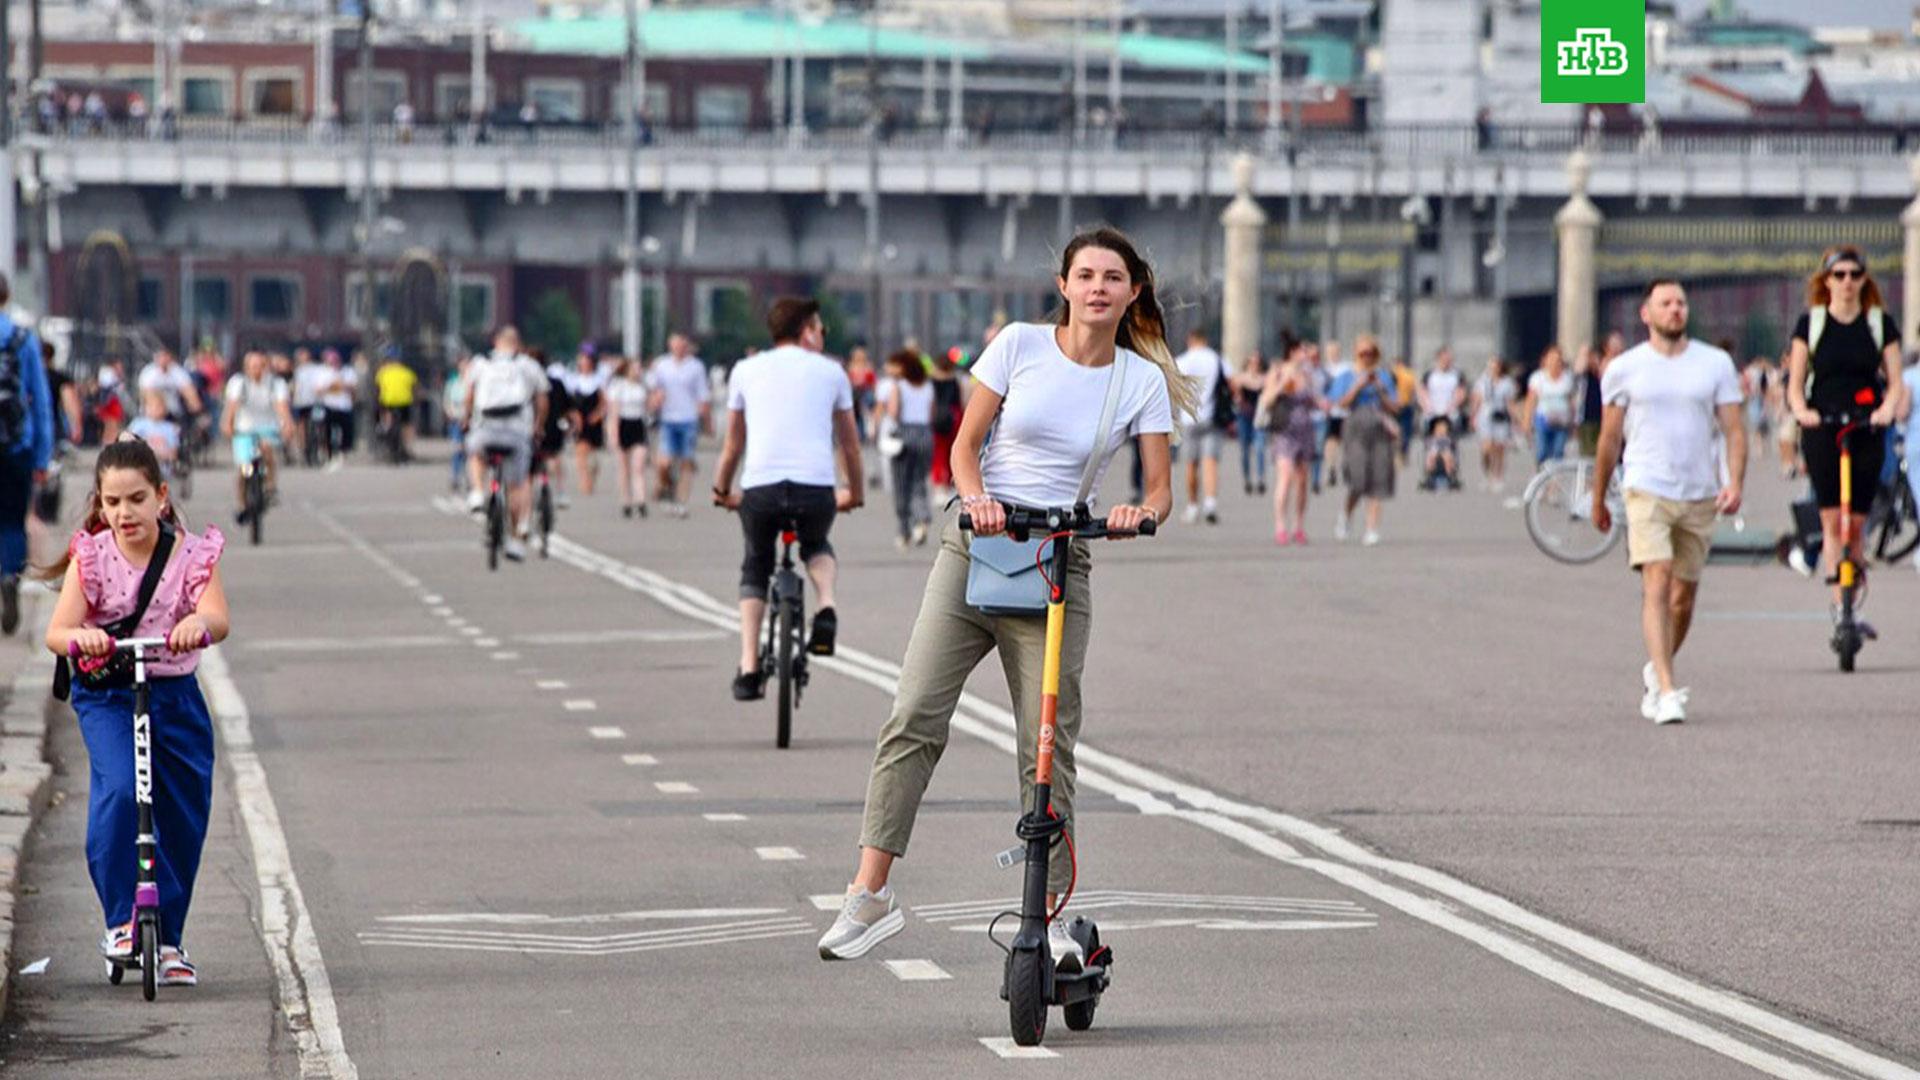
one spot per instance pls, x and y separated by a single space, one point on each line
1107 410
149 583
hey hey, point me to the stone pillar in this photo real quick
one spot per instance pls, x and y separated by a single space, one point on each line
1910 267
1577 226
1243 221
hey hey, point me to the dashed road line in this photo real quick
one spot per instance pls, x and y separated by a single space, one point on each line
471 631
579 705
486 643
827 901
675 787
552 684
717 817
507 655
639 759
606 732
1007 1048
430 599
916 970
779 854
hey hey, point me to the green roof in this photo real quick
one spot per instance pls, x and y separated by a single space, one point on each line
752 33
1330 58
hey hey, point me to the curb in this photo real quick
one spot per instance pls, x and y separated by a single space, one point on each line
25 776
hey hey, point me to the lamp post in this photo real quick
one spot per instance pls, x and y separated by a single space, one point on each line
636 73
370 296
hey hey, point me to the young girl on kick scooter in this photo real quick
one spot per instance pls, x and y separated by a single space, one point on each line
1045 385
102 574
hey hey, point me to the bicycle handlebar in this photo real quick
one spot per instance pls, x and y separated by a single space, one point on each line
1022 521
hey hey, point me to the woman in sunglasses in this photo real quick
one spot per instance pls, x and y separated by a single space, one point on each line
1845 355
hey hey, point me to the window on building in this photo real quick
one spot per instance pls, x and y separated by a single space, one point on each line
475 298
356 300
205 95
563 100
659 104
718 300
453 96
212 300
273 299
389 87
722 108
274 95
149 300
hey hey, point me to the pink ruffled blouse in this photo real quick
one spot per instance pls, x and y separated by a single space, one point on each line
112 586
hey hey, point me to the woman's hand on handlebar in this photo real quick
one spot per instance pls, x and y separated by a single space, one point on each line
1123 522
1807 417
989 517
1884 416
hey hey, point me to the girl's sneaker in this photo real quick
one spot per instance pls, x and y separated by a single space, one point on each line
175 968
117 943
1282 537
1300 537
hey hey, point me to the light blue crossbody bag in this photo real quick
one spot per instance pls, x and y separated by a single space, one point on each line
1003 574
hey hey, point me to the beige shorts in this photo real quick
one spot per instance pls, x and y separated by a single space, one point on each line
1669 530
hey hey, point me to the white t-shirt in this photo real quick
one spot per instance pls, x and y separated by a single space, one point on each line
253 403
1496 396
307 380
1202 365
1330 375
1912 378
339 386
493 377
1670 403
1441 386
683 388
1553 398
171 383
628 397
789 396
1046 426
916 402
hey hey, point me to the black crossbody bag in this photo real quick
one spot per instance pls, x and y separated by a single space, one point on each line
114 671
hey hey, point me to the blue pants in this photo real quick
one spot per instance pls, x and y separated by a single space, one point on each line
678 439
1253 450
182 795
1550 442
16 492
457 435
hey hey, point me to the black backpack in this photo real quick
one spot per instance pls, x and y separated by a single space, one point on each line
13 393
1223 399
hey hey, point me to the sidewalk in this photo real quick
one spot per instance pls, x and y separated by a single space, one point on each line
68 1022
24 775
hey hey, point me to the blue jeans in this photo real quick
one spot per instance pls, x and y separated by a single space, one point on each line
16 493
1319 446
457 435
678 438
1550 441
1913 460
182 795
1253 450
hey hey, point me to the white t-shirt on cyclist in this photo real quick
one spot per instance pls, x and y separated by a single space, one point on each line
789 395
1202 365
171 383
506 386
253 403
1045 431
1671 427
683 388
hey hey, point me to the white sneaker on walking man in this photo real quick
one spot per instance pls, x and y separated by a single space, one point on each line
1667 397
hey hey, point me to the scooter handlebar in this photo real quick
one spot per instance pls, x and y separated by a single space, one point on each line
1022 520
128 644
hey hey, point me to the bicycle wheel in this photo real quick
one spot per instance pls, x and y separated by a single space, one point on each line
496 529
546 517
256 503
783 633
1897 529
1559 514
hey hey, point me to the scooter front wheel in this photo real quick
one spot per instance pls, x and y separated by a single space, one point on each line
149 958
1027 996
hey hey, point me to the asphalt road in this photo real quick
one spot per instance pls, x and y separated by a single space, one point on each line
1367 812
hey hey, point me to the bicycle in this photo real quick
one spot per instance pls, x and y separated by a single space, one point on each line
783 651
543 511
392 437
496 509
1559 512
1894 522
1029 983
146 890
1849 634
254 475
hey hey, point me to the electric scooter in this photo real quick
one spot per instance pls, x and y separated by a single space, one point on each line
1030 984
145 954
1849 634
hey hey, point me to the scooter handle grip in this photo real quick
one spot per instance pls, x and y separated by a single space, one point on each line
73 650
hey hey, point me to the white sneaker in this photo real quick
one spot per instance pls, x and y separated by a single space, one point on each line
866 919
1372 539
1672 708
1649 701
1340 529
476 501
513 549
1193 513
561 501
1067 954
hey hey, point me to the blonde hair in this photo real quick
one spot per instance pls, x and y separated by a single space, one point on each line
1144 327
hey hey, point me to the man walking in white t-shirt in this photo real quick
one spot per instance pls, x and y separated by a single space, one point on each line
1200 441
1666 397
788 408
681 404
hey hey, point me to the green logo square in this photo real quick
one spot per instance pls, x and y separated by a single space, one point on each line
1593 51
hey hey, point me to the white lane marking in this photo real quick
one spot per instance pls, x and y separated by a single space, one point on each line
325 644
471 631
778 854
608 637
513 919
606 732
1229 818
1007 1048
916 970
618 950
827 901
579 705
639 759
443 612
430 599
300 975
1111 926
456 621
1096 901
579 942
552 684
675 787
722 817
508 655
486 643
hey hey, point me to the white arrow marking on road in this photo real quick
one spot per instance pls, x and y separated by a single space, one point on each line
639 759
676 787
778 854
579 705
1007 1048
718 817
612 945
581 941
916 970
606 733
511 919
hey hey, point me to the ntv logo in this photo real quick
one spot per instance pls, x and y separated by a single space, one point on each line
1592 52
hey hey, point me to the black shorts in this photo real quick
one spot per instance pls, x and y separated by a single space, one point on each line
1821 447
553 441
402 413
632 433
594 435
764 511
1334 426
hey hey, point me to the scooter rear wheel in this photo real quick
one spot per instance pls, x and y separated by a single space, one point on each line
1027 997
115 973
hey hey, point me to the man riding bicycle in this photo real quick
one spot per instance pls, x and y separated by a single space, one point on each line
398 387
174 383
506 404
798 405
257 414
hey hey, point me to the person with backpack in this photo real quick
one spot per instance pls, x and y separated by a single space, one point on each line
1205 429
949 398
26 447
1844 354
506 404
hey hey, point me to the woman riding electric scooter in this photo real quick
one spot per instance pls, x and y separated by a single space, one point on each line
1042 391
